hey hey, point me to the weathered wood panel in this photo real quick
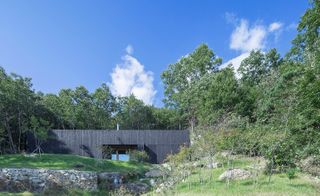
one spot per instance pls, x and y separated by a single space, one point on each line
158 143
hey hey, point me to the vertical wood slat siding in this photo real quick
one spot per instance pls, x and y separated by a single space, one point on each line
89 142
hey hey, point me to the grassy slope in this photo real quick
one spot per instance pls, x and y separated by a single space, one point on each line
279 185
55 161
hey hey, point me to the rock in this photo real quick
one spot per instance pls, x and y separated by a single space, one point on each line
152 182
37 180
235 174
112 177
197 164
166 166
208 162
311 165
32 155
3 182
213 165
40 180
154 173
137 188
225 154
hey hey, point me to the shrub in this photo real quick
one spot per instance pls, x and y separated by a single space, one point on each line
184 155
139 156
291 173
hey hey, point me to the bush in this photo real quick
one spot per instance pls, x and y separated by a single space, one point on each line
291 173
183 156
139 156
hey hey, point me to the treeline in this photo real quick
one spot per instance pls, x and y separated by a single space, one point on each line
23 110
270 107
80 109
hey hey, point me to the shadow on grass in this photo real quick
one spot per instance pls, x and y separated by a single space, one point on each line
247 183
266 183
300 186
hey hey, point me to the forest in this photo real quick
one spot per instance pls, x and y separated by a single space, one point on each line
269 107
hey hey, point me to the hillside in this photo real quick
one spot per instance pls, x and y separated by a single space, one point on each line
59 161
205 181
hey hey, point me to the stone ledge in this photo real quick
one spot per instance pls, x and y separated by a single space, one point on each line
38 180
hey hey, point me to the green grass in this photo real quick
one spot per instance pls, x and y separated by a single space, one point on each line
58 161
279 184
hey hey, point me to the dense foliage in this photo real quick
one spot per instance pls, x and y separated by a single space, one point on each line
23 110
270 107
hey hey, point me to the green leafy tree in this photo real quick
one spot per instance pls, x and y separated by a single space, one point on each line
133 114
17 101
40 129
216 95
179 79
104 106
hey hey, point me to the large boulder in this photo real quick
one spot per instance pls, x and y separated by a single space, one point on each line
112 177
235 174
4 181
213 165
208 162
154 173
137 188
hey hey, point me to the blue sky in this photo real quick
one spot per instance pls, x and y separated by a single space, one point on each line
64 44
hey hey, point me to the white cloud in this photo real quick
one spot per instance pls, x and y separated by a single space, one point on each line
231 18
245 39
129 77
235 62
129 49
292 26
275 26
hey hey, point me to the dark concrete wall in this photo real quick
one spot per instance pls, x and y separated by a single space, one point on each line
158 143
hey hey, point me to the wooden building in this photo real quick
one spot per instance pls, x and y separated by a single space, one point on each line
157 143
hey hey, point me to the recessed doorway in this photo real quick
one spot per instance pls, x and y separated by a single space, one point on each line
117 152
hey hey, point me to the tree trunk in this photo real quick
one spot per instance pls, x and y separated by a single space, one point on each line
192 123
7 127
20 132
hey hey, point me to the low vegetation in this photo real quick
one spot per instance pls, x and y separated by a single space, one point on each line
205 181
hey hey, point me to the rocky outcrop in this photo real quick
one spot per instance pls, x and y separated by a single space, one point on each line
38 180
154 173
235 174
136 188
112 178
207 162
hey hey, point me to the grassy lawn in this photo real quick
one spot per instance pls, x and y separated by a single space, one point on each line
205 182
58 161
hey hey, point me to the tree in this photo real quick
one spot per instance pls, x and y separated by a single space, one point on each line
104 107
16 103
253 70
55 105
40 128
180 78
68 108
133 114
217 95
258 65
